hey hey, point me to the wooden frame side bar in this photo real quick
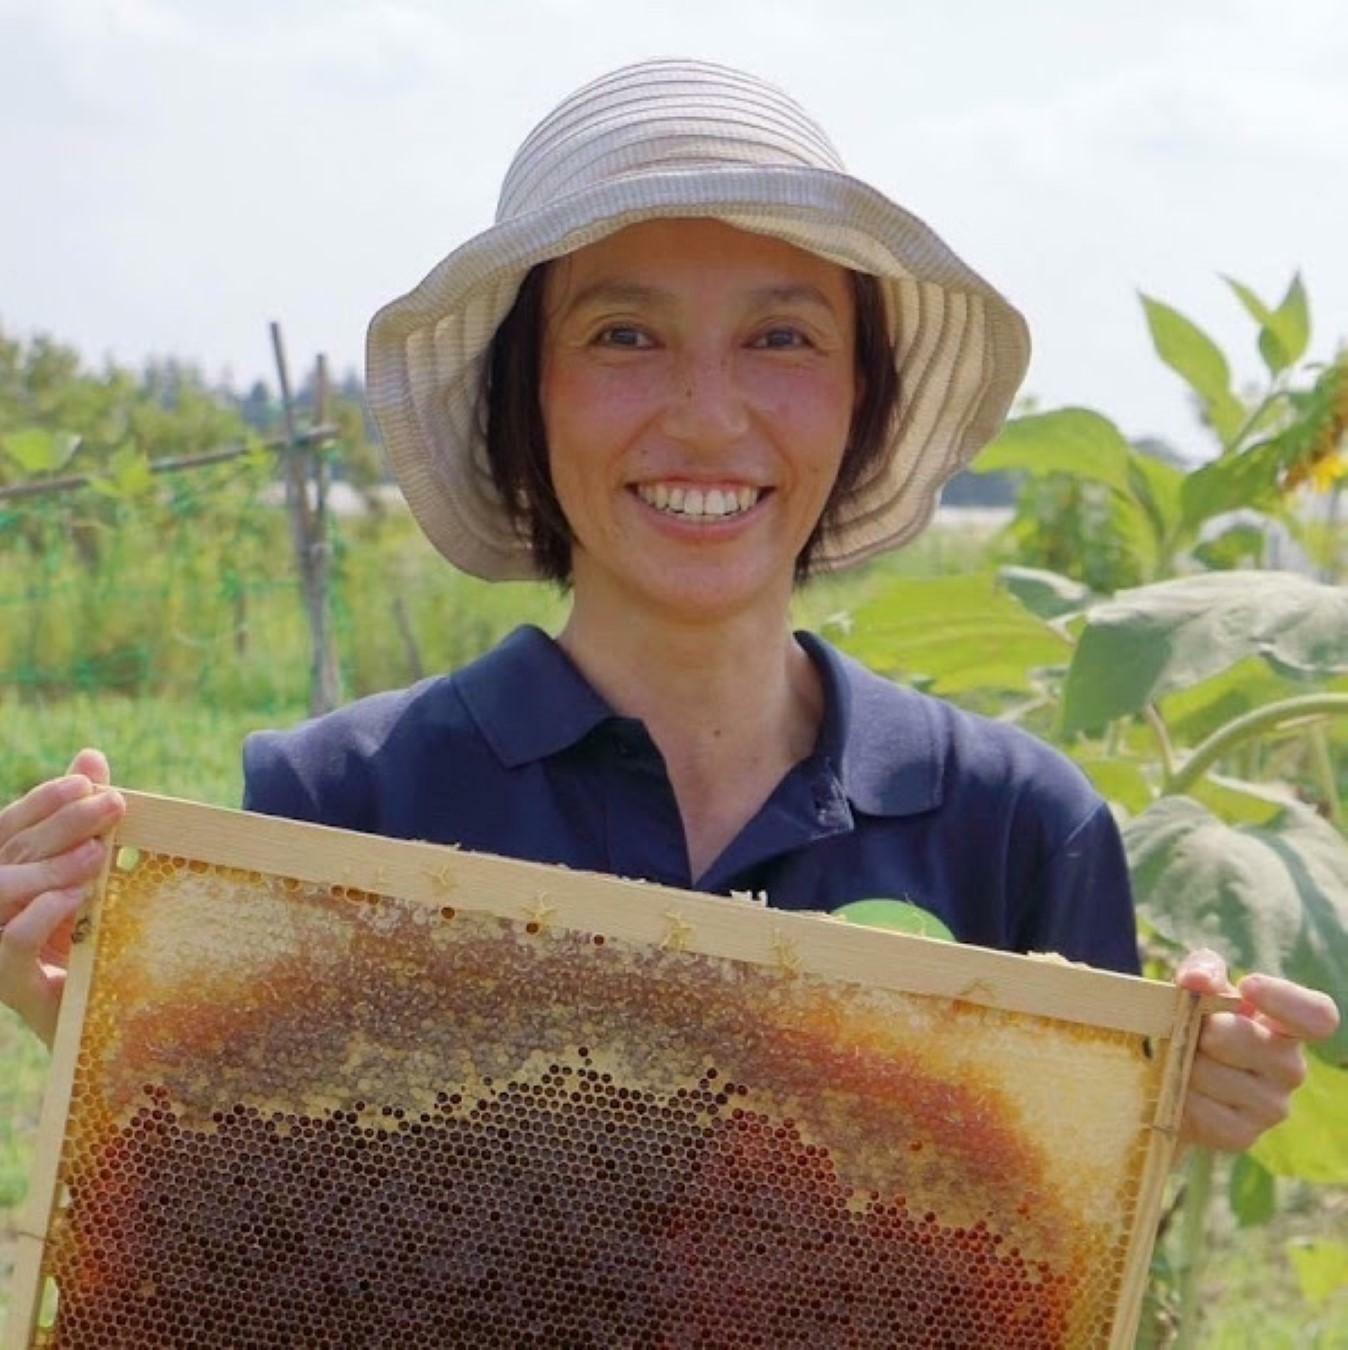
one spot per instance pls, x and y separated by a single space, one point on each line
26 1284
436 875
1180 1051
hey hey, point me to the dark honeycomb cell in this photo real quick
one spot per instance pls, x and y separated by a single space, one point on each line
347 1125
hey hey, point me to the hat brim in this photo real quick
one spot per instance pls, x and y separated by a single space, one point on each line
960 347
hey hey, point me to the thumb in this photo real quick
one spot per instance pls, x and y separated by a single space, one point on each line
93 765
1204 972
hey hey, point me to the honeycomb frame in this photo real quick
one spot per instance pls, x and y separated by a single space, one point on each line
738 1194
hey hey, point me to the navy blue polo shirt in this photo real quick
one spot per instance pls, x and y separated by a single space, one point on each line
905 796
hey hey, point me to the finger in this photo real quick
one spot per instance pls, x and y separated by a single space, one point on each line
89 815
24 936
93 764
44 800
1243 1043
32 989
1306 1014
1259 1100
1212 1124
1203 972
22 881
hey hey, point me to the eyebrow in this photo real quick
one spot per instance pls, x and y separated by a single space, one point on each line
634 293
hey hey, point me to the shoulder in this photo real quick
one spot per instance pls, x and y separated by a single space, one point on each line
1009 826
322 770
906 751
343 768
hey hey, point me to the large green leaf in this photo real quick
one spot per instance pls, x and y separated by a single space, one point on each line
1158 487
1292 320
1147 642
1250 478
1120 780
39 451
959 632
1251 1192
1075 441
1239 802
1193 713
1240 545
1271 898
1045 593
129 475
1321 1265
1192 354
1285 332
1312 1142
1134 530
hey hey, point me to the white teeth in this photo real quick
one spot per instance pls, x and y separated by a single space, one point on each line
691 503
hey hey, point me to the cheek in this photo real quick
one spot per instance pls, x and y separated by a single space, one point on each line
589 414
813 410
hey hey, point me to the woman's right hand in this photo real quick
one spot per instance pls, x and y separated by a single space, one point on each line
49 856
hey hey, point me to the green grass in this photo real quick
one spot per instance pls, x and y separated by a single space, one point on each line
23 1068
1252 1299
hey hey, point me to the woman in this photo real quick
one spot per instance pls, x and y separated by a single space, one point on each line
692 361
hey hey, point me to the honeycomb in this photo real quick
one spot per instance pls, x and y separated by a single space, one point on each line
309 1115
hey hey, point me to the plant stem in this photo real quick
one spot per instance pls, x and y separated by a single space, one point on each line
1324 771
1251 724
1271 397
1157 723
1193 1245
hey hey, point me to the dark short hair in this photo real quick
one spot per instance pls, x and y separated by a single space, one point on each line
517 447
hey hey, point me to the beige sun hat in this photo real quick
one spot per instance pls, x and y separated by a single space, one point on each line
688 138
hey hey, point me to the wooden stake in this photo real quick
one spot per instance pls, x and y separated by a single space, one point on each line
309 531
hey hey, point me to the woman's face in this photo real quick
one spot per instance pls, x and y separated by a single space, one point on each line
697 390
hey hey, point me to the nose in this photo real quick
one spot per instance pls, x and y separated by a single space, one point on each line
706 408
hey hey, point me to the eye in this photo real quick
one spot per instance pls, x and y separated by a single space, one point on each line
782 339
621 335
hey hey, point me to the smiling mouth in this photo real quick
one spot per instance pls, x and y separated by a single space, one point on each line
691 503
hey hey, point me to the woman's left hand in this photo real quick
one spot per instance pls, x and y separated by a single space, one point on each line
1248 1062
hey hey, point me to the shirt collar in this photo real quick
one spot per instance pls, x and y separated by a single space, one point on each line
528 699
877 739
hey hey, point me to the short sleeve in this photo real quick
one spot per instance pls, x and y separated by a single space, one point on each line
271 785
1080 903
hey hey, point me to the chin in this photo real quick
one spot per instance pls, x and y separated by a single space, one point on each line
708 594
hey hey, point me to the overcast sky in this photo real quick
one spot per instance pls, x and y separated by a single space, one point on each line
174 175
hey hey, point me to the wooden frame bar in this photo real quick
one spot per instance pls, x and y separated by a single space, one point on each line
430 874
